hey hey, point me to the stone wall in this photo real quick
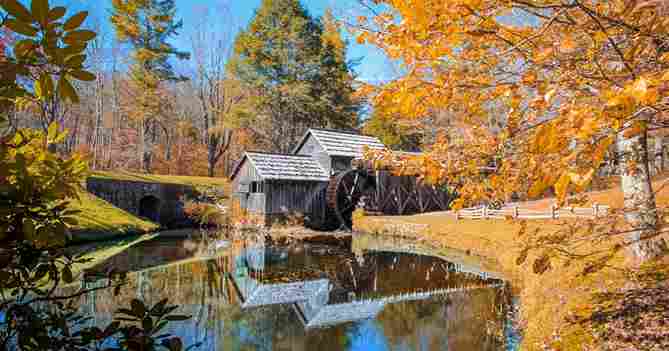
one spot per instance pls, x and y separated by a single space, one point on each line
129 196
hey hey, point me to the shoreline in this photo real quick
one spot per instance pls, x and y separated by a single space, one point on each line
546 300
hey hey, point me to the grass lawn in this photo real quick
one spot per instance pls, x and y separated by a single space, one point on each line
158 178
100 220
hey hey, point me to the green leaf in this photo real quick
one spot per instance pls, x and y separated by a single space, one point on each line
147 324
40 10
75 61
24 47
46 83
177 318
41 272
138 308
56 13
158 308
17 10
83 75
67 91
72 50
28 228
39 92
126 312
80 35
21 27
52 132
75 21
71 221
67 275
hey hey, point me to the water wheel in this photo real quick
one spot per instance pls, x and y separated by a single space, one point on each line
344 193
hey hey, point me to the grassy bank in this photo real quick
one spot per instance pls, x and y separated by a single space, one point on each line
546 299
159 178
553 301
100 220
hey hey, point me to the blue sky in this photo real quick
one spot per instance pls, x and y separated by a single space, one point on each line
373 66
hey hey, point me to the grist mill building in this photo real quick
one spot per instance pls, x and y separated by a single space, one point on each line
320 181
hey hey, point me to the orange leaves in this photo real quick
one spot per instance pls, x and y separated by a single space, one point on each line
640 89
561 187
568 45
529 78
548 139
636 94
548 97
551 93
543 54
643 93
579 181
600 151
589 128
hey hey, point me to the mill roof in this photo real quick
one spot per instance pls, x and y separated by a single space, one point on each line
271 166
341 143
273 294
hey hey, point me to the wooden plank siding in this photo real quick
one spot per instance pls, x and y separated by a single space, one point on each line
252 202
311 147
293 196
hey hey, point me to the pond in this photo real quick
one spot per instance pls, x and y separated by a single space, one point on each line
253 295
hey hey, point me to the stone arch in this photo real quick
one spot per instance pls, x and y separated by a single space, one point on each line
149 207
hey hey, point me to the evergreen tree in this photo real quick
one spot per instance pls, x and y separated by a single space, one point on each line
337 78
297 71
147 25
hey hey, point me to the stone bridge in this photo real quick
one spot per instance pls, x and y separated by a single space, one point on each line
162 203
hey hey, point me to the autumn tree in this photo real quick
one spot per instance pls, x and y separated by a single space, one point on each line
298 78
396 136
36 186
221 97
147 26
565 79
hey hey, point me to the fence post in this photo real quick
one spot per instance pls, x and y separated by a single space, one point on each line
554 213
595 209
485 211
515 212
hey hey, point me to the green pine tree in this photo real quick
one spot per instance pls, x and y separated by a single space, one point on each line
337 78
297 73
147 26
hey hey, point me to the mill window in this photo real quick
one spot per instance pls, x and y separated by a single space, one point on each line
256 187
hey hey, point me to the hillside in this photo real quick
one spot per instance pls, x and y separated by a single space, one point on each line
100 220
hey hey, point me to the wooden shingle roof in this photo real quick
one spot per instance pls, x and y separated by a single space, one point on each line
338 143
284 167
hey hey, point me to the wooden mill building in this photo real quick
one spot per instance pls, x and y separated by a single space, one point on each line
319 180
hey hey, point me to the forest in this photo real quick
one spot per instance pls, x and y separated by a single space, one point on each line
147 106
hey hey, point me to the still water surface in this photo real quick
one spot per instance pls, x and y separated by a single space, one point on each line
249 295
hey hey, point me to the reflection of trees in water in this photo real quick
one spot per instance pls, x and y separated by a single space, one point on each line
203 290
460 321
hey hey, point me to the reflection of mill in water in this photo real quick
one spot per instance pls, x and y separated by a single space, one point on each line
324 292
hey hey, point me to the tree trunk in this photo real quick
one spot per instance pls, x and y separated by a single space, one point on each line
146 147
99 111
659 154
212 143
640 210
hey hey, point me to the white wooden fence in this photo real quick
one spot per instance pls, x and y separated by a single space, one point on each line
516 212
